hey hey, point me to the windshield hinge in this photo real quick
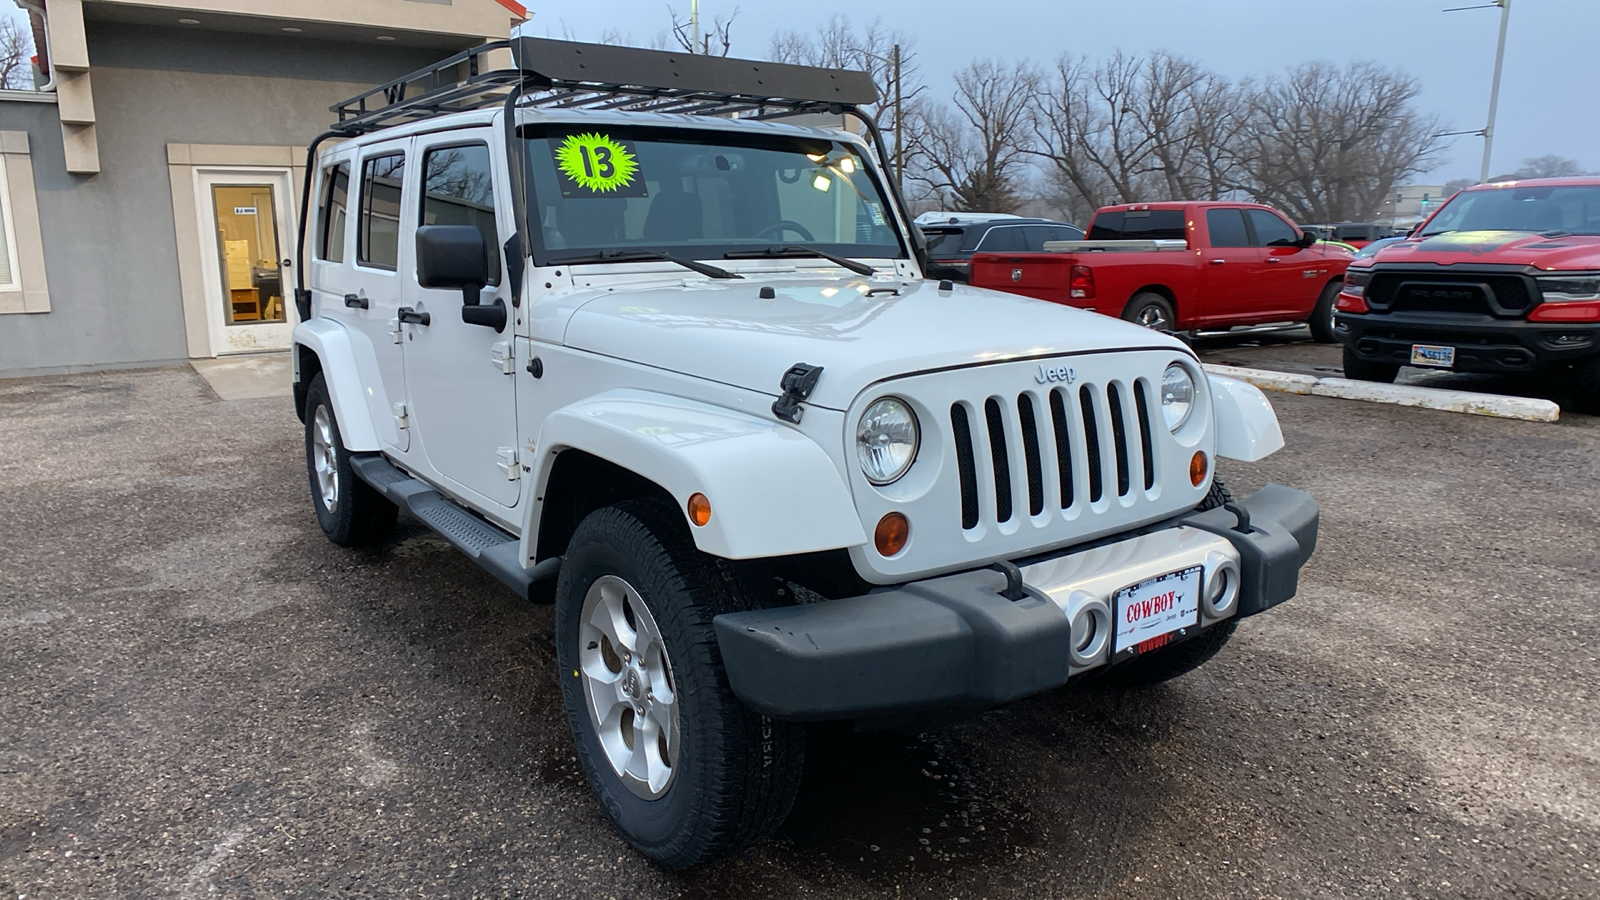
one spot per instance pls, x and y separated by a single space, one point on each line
502 357
797 384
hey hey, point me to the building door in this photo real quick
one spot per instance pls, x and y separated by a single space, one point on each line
245 237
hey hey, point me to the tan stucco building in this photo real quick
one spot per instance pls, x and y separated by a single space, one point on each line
150 190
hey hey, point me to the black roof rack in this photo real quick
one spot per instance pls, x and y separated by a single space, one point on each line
571 75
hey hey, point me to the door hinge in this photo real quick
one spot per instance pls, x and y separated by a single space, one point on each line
396 332
509 463
501 355
402 416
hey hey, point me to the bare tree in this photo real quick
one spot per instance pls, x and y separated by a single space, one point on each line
976 154
16 56
718 34
1548 166
1326 144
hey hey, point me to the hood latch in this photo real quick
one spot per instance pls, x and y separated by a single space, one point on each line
797 384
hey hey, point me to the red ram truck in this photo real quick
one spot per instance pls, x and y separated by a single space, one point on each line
1504 278
1183 267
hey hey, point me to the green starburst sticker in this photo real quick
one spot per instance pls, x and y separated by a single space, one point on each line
598 164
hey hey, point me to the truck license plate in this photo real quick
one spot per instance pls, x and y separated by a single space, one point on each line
1433 355
1156 612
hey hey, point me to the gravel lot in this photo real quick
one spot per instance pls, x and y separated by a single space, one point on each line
201 697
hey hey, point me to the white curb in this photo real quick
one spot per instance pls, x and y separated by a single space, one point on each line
1525 408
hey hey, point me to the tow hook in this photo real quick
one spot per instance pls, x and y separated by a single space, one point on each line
797 384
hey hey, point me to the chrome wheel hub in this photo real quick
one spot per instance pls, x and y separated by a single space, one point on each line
628 686
324 458
1152 317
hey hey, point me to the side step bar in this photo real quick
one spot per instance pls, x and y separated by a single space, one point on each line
488 546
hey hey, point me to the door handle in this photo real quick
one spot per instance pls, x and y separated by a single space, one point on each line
1274 260
411 316
1218 262
354 302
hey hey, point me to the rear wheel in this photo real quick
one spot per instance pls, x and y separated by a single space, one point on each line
1152 311
1364 370
1321 321
683 769
350 512
1179 659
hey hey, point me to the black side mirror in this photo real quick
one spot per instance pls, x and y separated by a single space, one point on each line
457 256
1307 239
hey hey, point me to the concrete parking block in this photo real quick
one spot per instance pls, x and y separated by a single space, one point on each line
1526 408
1285 382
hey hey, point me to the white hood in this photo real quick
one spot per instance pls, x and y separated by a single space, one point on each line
724 331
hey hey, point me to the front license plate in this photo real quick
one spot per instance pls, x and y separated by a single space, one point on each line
1156 612
1433 355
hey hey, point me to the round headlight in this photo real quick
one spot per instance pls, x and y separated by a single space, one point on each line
1177 396
886 440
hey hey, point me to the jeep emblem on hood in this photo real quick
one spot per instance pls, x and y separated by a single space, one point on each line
1049 373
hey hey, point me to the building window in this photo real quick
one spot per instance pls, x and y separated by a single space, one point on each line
10 269
381 180
331 212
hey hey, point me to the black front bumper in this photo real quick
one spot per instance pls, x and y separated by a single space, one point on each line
1483 343
955 642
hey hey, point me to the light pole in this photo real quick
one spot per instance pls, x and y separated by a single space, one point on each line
1494 88
694 26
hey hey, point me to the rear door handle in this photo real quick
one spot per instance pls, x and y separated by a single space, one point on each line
1218 262
354 302
411 316
1274 260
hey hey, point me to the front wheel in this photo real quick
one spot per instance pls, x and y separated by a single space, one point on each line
1359 369
1151 311
683 769
1321 321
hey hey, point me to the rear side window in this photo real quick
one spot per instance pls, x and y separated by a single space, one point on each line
1271 231
382 178
1066 233
1139 225
1227 228
331 212
1005 239
944 241
1037 235
458 189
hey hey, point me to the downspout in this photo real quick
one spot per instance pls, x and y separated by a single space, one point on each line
49 58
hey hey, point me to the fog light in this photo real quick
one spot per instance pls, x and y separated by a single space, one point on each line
891 534
699 509
1198 467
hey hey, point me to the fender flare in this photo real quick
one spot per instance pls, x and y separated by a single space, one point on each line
332 344
1247 428
773 491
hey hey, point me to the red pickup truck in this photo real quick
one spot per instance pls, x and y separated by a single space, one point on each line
1503 278
1183 267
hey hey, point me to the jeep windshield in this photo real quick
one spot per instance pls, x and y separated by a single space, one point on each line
693 194
1568 209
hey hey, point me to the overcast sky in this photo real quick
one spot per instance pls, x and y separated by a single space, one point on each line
1548 98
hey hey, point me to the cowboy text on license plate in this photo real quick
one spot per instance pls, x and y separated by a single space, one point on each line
1155 608
1432 355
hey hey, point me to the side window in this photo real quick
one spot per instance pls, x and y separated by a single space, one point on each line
1271 231
1005 239
379 235
1037 235
1227 228
458 189
1066 233
331 212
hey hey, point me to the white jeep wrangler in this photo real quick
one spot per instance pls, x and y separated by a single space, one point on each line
650 336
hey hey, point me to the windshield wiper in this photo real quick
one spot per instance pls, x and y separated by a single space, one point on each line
860 268
705 269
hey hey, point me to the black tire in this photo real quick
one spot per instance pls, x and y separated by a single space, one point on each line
358 515
1179 659
735 773
1360 369
1585 393
1321 321
1152 311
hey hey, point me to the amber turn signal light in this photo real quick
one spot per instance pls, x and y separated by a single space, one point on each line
699 509
891 534
1198 466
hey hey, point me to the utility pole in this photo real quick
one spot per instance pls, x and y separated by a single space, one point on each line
694 26
1494 90
899 126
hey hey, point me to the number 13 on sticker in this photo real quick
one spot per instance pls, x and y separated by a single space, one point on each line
595 165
